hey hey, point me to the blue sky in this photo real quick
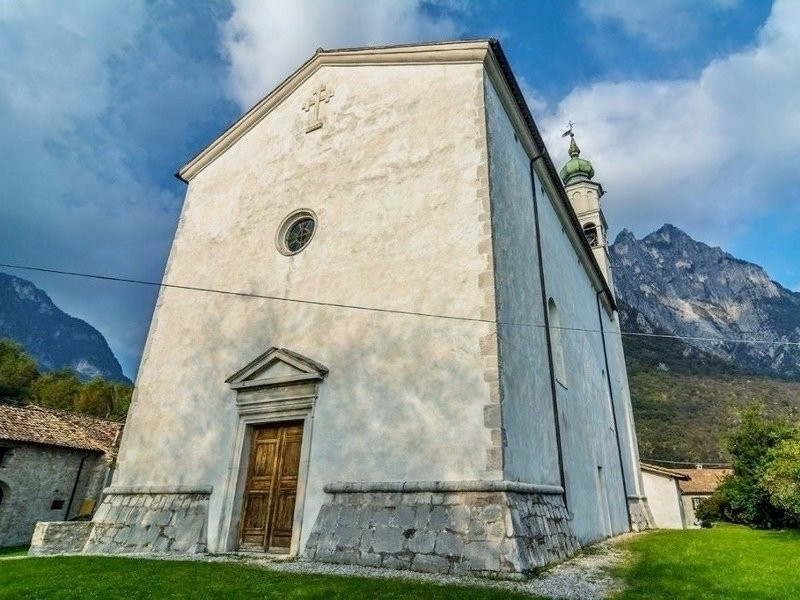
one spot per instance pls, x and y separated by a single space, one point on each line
687 108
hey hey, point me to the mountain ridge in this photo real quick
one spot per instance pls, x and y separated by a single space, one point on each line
667 282
55 339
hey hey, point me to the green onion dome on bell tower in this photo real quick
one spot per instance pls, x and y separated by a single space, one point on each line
577 168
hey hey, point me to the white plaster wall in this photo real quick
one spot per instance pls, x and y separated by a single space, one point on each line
596 498
689 517
588 436
392 177
622 406
530 453
664 499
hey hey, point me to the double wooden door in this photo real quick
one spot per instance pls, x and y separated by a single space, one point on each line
271 489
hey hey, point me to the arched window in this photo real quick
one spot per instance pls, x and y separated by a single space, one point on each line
3 492
556 344
590 232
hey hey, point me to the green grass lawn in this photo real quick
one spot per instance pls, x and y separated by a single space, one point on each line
101 577
723 562
13 551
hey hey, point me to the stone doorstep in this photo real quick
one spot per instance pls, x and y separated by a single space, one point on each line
255 554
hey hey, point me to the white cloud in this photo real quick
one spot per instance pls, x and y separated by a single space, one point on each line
661 23
266 41
535 101
707 154
79 85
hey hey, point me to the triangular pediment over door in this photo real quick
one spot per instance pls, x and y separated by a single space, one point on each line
277 366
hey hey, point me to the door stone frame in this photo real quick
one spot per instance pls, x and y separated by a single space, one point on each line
262 399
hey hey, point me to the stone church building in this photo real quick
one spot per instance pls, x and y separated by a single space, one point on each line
390 337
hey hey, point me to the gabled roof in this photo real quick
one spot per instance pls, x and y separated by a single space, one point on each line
662 471
277 366
438 52
702 481
485 51
37 425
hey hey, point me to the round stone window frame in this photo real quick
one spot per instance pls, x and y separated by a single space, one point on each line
290 221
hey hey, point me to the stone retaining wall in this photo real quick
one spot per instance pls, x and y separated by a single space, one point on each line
443 532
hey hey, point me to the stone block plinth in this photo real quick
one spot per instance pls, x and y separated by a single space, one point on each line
62 537
443 527
134 520
641 517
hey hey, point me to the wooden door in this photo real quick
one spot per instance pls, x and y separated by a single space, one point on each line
271 489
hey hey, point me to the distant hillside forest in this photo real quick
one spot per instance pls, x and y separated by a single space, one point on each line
21 382
683 417
685 400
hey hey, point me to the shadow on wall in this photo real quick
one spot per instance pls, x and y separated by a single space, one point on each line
404 397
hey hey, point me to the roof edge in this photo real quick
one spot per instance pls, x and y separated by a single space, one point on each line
564 208
487 51
662 471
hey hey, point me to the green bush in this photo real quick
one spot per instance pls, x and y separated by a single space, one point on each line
781 476
764 489
711 510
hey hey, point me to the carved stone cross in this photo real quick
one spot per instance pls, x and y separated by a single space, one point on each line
322 94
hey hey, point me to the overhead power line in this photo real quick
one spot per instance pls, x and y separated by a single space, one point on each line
686 462
381 310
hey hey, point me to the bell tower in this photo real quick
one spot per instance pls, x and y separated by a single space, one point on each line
584 194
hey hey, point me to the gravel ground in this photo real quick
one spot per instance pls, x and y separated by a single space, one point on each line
583 577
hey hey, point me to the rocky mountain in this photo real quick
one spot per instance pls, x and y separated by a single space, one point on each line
668 282
55 339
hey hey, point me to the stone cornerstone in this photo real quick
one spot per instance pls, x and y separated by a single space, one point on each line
133 520
443 527
641 516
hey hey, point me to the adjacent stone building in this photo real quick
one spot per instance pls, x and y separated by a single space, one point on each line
53 467
674 494
384 337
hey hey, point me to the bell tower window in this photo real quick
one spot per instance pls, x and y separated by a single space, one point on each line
590 232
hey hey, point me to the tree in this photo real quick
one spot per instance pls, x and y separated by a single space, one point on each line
58 389
102 398
94 398
750 446
21 382
748 496
781 476
17 372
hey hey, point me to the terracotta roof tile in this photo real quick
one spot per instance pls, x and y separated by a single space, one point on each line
38 425
702 481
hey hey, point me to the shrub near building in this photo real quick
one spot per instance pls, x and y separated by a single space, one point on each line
764 489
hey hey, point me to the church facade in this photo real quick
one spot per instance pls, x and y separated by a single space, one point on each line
383 338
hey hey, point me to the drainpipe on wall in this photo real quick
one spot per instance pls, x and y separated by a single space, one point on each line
611 400
553 389
75 486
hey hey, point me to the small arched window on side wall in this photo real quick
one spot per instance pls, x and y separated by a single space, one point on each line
556 345
590 232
